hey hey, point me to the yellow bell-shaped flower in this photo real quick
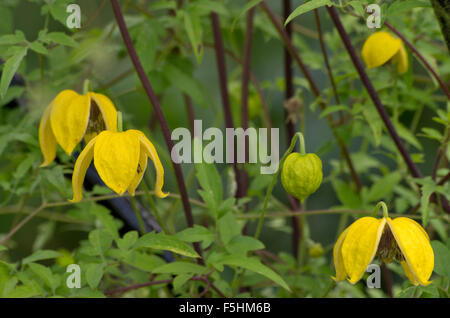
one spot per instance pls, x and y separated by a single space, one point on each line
402 239
120 159
69 117
381 47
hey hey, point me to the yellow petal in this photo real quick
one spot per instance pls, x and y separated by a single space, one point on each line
401 59
415 247
109 112
143 159
47 140
360 246
379 48
150 151
79 171
409 274
69 118
116 158
341 274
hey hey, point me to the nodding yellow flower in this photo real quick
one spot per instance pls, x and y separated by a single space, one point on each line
381 47
69 117
402 239
120 159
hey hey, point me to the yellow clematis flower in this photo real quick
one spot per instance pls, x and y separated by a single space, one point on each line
381 47
69 117
402 239
120 159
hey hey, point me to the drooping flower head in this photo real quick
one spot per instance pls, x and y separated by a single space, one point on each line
120 159
402 239
70 117
381 47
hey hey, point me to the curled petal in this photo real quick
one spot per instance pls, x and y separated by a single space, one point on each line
69 118
379 48
143 159
150 151
415 247
401 59
79 171
47 140
109 112
116 158
360 246
341 274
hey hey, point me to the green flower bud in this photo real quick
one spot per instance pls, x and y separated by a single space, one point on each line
301 174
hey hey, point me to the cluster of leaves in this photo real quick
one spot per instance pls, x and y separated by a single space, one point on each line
174 45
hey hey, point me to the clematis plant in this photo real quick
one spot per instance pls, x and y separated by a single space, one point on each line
380 47
120 159
70 117
402 239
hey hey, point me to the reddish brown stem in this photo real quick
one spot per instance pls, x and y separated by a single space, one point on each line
158 111
220 56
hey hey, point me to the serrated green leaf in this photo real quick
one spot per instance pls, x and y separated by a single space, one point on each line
100 240
10 68
162 241
180 280
38 47
94 274
128 240
254 265
180 268
44 273
228 227
41 255
143 261
242 244
60 38
441 258
306 7
195 234
383 186
347 195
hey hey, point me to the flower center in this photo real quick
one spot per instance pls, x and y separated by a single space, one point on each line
388 248
96 122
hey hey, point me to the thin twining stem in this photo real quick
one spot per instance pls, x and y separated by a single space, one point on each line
46 205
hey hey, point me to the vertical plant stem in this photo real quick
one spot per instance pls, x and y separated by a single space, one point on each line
244 90
158 111
290 128
274 181
138 216
372 93
220 56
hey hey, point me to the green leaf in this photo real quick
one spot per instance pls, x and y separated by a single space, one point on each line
384 186
180 280
406 134
244 10
306 7
45 274
210 181
143 261
228 227
332 109
60 38
195 234
192 24
3 248
242 244
441 258
23 291
100 240
254 265
11 39
347 195
406 293
162 241
10 68
358 7
94 274
146 43
128 240
41 255
106 219
400 6
180 268
185 82
38 47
